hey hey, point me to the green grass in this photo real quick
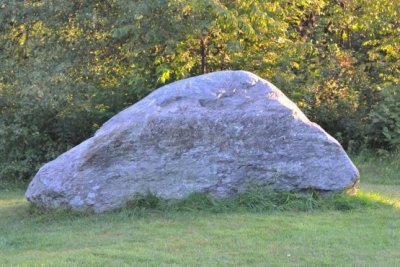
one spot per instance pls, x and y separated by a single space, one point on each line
383 170
362 230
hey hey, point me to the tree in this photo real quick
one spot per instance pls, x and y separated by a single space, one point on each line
67 66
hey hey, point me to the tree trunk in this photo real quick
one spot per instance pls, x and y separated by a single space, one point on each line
203 52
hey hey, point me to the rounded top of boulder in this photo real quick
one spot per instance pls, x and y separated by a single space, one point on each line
230 89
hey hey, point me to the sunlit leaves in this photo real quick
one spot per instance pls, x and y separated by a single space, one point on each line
67 66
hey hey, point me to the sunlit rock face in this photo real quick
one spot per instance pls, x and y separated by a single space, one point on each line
217 133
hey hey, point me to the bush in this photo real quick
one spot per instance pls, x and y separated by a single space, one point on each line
384 127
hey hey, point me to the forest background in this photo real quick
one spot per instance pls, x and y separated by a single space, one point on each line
68 66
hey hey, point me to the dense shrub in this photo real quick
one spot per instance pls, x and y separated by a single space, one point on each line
384 120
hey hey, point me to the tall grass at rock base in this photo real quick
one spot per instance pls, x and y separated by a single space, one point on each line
261 199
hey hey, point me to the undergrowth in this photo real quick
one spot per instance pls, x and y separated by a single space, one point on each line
255 200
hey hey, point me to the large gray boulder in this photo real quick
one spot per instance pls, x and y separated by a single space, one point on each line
216 133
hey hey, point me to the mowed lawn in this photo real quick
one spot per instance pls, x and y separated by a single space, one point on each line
368 236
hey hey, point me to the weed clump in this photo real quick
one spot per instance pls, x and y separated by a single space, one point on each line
260 199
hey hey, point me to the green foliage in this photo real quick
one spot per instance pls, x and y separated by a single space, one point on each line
68 66
57 81
384 126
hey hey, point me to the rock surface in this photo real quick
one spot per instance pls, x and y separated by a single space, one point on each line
216 133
